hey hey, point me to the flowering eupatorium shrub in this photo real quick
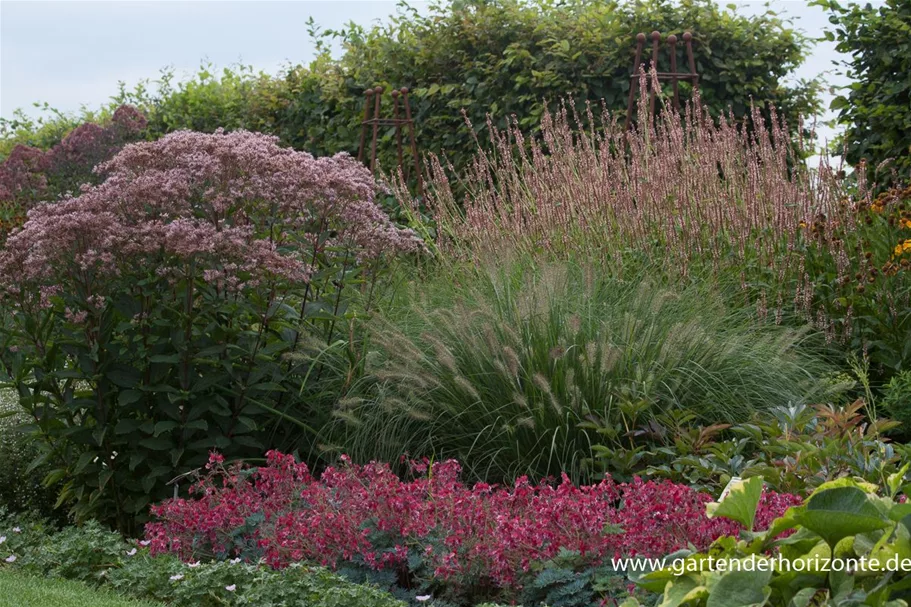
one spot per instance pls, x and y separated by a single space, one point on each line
233 204
464 535
29 175
162 313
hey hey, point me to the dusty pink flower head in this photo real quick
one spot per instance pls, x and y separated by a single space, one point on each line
235 207
129 119
21 173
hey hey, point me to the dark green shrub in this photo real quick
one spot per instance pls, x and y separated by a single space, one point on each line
509 57
21 488
876 107
143 331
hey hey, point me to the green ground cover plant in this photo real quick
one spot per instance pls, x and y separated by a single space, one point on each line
91 564
794 448
843 519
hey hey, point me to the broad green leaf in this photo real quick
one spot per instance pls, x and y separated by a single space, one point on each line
845 481
160 443
164 426
840 512
803 597
740 503
680 590
739 589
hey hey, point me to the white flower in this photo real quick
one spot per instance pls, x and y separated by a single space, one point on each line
193 565
145 543
423 597
17 530
11 558
2 538
131 552
234 561
231 588
174 578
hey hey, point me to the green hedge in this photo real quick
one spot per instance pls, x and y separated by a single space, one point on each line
500 57
876 107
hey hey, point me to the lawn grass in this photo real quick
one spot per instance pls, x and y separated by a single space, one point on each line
18 590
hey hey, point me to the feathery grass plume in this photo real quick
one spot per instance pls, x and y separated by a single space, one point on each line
629 339
680 193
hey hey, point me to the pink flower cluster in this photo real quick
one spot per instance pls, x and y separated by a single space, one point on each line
479 532
235 207
25 172
22 173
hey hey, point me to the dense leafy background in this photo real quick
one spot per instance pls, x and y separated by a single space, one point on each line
876 107
501 57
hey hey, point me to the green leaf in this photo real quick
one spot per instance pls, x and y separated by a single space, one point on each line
682 590
128 397
840 512
740 502
165 358
126 426
803 597
165 426
160 443
739 589
125 378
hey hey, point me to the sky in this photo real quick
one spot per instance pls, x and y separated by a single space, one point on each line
74 53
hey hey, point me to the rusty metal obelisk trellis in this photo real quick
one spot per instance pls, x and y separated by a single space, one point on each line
399 96
674 76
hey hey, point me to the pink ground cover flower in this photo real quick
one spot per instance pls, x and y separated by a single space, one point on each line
480 531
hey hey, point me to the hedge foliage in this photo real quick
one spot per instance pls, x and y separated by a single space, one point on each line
501 57
876 107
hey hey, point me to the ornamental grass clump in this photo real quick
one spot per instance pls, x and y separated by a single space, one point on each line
167 310
525 368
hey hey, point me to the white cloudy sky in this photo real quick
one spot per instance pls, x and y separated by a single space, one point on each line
70 53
